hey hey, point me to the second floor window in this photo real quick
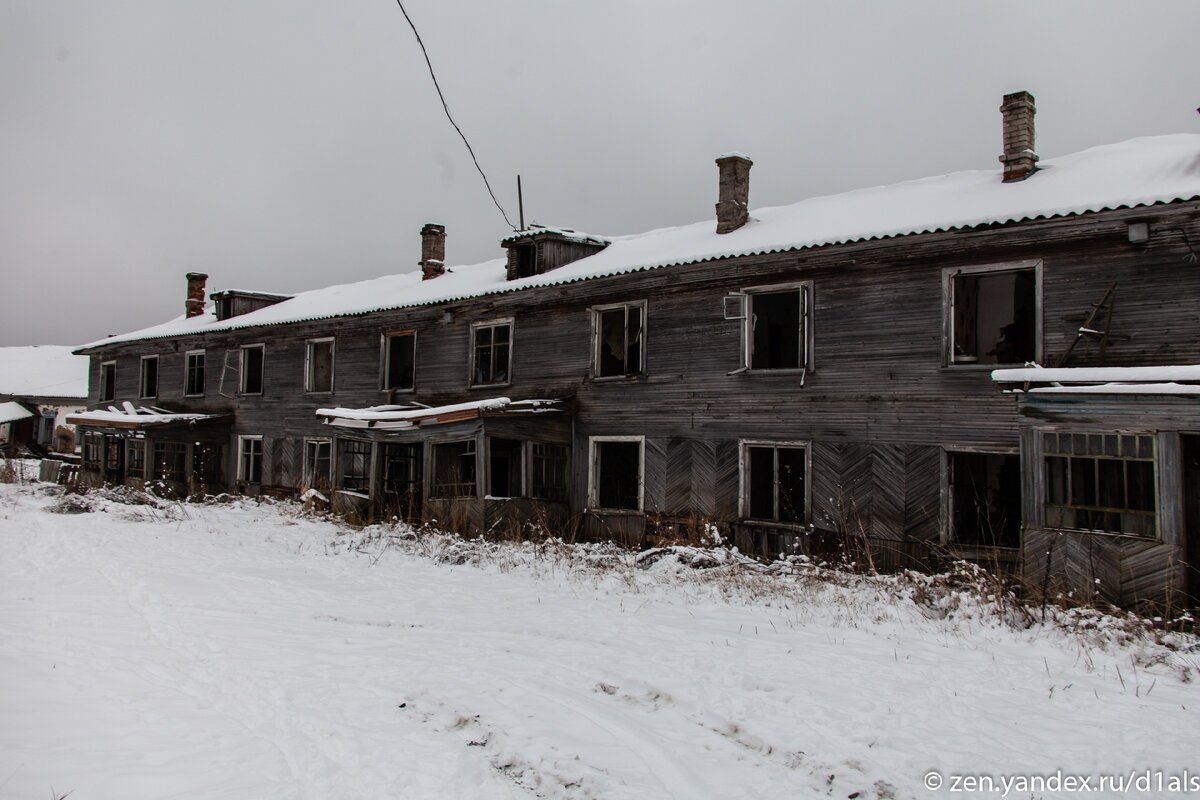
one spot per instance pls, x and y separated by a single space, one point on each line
399 360
619 344
149 380
318 366
777 326
194 379
491 353
108 381
993 314
252 369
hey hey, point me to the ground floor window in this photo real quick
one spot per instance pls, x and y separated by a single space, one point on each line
505 468
135 458
206 464
250 456
774 482
985 499
93 449
354 466
169 461
454 469
551 463
616 482
1100 482
318 463
402 479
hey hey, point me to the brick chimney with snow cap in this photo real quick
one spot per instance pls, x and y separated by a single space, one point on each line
734 194
433 250
194 306
1019 158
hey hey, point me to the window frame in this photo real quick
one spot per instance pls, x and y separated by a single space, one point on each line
597 313
744 477
1044 503
108 381
492 323
745 313
309 364
142 393
188 371
243 439
593 499
385 360
549 460
947 535
948 309
436 449
262 376
305 474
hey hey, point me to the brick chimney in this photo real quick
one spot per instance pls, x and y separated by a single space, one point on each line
734 195
194 306
1019 159
433 251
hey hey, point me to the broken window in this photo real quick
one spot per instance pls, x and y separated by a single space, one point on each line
985 499
252 369
194 379
776 333
550 466
619 340
250 456
318 366
108 380
993 316
525 260
616 476
354 466
505 468
169 461
399 360
491 350
149 379
402 479
135 458
1100 482
454 469
775 482
318 463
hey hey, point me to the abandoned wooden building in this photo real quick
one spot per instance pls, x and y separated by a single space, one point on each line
931 367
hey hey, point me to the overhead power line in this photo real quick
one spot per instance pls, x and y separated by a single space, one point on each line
446 108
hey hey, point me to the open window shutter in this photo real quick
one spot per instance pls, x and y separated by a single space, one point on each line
235 355
734 306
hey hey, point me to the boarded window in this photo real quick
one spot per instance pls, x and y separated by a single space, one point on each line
400 360
619 342
318 373
354 466
775 478
195 373
318 464
994 317
1100 482
108 380
551 463
985 497
250 457
617 475
505 468
149 380
454 469
170 459
491 348
252 369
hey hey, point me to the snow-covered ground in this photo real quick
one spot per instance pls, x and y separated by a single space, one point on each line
247 651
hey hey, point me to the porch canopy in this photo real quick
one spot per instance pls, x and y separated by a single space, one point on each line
132 418
1168 380
11 412
398 418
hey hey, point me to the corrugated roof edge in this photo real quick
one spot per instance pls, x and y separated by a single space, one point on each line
126 339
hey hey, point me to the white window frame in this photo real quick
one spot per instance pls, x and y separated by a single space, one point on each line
739 305
187 371
142 395
948 307
307 477
492 323
108 393
597 311
946 533
385 359
594 474
242 369
744 446
241 451
308 364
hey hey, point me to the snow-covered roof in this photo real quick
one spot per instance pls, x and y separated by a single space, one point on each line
127 416
11 412
43 371
396 417
560 233
1139 172
1181 379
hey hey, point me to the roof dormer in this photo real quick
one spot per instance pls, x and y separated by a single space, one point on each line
539 249
234 302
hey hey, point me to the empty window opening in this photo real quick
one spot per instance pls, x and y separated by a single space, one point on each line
194 379
505 468
775 319
551 463
135 458
354 464
149 381
994 317
402 479
252 369
985 497
1100 482
619 347
170 459
400 360
207 464
108 380
617 475
454 469
318 464
491 348
318 373
526 257
775 483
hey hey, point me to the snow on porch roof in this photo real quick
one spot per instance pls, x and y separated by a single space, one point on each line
130 417
11 412
1181 379
400 417
1139 172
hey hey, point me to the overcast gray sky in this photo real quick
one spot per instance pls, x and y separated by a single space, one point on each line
283 145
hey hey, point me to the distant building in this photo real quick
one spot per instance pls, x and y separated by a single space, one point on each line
39 387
